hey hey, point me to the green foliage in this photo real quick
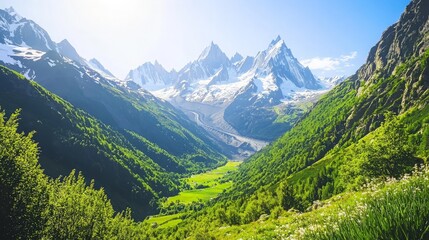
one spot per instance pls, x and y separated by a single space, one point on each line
302 145
34 207
202 187
23 187
135 171
77 211
164 221
383 209
130 177
327 139
286 196
386 154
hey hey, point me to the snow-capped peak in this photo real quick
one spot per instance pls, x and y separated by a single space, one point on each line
16 30
212 52
279 60
330 82
277 46
67 50
151 76
13 13
276 40
9 10
208 63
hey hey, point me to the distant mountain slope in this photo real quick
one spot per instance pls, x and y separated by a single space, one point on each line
89 86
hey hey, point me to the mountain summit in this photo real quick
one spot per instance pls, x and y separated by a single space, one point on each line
152 76
213 58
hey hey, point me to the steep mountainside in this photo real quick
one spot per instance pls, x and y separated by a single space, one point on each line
72 139
18 30
395 79
142 118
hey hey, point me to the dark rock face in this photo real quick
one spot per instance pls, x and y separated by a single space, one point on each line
407 38
394 54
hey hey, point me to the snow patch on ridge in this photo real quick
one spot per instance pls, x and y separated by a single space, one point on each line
7 52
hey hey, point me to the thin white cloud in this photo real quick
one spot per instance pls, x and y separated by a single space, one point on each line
349 57
330 63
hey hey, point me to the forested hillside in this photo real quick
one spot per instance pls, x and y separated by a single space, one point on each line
133 144
36 207
71 139
394 80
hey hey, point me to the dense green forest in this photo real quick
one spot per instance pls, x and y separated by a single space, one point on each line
35 206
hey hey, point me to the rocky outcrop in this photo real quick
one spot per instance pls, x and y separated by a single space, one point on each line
407 38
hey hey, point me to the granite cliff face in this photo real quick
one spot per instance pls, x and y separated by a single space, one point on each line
406 40
409 37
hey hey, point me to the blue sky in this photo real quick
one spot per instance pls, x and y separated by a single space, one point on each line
332 37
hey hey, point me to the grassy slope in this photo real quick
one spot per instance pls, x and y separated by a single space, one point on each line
376 212
72 139
164 221
204 194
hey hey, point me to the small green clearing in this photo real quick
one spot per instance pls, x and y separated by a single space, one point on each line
208 178
165 221
204 194
212 186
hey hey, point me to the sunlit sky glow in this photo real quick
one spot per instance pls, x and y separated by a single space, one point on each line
332 37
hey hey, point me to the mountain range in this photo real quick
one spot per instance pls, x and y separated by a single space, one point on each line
243 101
